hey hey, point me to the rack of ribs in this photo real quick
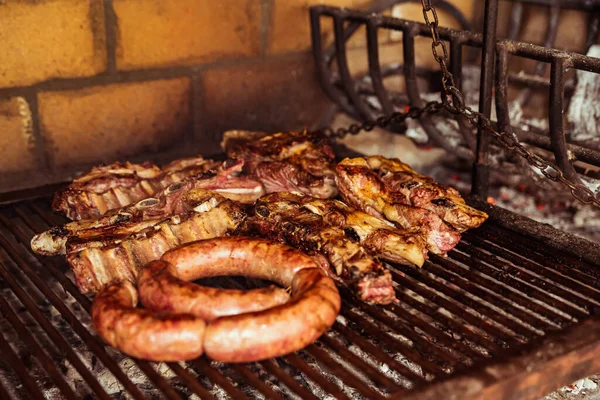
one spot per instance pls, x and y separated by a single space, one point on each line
116 185
225 181
101 256
281 217
295 161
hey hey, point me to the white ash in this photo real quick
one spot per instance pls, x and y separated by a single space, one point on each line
584 109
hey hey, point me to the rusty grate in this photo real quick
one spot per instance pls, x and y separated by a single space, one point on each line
499 293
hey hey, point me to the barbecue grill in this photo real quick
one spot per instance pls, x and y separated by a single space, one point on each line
510 313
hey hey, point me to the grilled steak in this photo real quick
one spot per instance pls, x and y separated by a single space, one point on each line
138 216
121 250
295 161
362 188
116 185
279 217
418 190
377 235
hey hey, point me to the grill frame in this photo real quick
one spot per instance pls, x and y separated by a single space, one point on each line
509 371
342 88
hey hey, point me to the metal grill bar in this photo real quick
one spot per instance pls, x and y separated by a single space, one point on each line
447 322
15 362
38 352
545 270
50 330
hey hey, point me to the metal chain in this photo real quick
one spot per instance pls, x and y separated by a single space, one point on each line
453 102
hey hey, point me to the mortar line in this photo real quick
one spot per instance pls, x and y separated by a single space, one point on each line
110 28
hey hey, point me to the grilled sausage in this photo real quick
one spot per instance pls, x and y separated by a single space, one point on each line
141 333
161 290
259 335
281 330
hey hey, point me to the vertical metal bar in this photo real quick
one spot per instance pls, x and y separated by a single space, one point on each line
375 67
414 96
481 167
342 63
324 73
502 89
456 55
556 118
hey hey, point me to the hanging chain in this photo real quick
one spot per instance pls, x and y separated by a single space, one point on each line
453 102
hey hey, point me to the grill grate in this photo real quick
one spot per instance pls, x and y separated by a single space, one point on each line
498 293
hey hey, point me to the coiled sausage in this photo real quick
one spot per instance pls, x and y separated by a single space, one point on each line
161 290
142 333
252 336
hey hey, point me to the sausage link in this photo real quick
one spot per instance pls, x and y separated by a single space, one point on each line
244 256
142 333
278 331
161 290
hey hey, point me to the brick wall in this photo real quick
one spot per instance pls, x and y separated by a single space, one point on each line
84 82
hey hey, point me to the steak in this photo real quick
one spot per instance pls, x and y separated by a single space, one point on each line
362 188
117 185
279 217
295 161
378 236
412 188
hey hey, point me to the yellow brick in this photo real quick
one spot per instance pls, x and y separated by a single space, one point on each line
16 139
107 123
158 33
50 39
289 30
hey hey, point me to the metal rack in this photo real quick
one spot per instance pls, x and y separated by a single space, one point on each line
500 293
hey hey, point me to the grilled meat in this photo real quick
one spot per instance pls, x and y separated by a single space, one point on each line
119 251
377 235
279 217
117 185
295 161
138 216
418 190
362 188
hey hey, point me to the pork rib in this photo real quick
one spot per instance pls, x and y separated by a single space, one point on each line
293 161
279 218
137 216
116 185
118 253
377 235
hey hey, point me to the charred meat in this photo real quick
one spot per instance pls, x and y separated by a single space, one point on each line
119 251
362 188
138 216
418 190
295 161
280 218
378 236
116 185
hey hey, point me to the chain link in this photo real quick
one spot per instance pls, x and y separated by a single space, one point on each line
453 102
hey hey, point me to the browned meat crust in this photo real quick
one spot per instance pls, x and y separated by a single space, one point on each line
362 187
312 309
412 188
293 161
116 185
162 289
132 219
142 333
280 217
